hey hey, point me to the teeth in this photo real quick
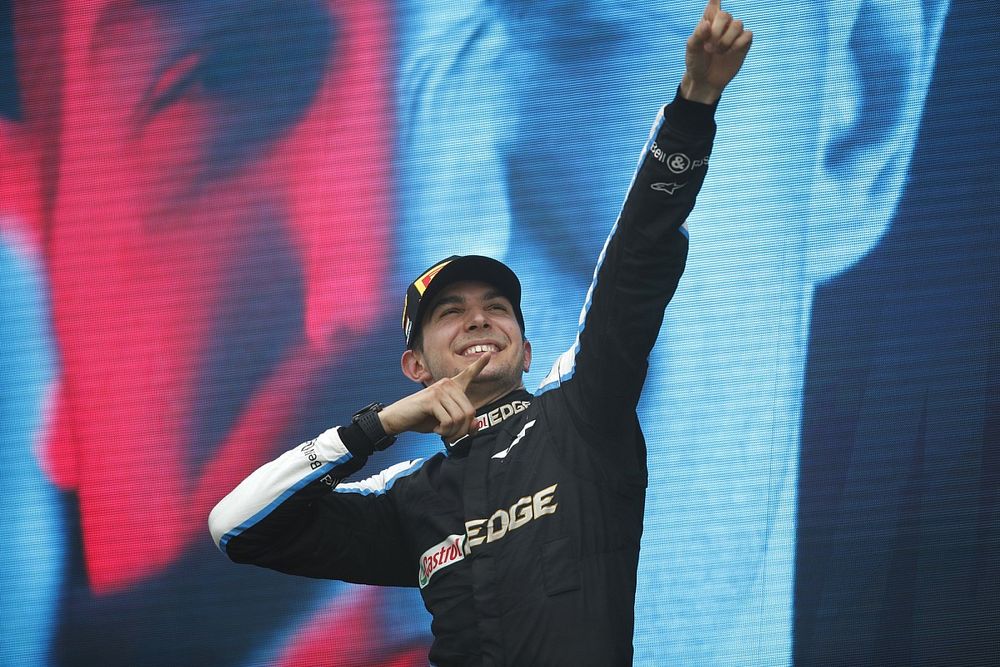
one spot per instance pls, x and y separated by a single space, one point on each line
478 349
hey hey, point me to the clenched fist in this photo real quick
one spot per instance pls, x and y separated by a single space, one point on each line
715 53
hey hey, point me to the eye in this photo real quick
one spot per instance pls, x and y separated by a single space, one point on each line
173 82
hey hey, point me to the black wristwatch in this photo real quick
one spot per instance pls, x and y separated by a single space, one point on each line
368 421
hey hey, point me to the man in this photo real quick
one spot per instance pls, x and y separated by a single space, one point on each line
523 536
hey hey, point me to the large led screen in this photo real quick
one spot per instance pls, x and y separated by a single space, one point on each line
210 211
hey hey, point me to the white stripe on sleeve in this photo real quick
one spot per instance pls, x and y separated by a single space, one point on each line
273 483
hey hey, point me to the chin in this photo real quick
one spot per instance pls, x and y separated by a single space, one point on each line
499 376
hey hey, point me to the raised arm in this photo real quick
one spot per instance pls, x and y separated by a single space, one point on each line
639 268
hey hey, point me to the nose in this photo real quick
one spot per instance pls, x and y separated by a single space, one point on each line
476 319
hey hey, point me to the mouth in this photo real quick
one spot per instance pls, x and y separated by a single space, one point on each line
479 349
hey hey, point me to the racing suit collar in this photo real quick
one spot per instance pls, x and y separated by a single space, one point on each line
489 416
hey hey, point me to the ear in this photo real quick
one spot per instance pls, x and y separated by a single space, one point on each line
527 356
414 368
880 57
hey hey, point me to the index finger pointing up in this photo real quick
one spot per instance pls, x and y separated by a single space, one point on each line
470 372
711 9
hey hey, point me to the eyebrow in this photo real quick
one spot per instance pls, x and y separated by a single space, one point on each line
460 300
447 300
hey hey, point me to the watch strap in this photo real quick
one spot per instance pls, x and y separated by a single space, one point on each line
368 422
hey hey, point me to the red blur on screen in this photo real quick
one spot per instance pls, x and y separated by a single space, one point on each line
143 215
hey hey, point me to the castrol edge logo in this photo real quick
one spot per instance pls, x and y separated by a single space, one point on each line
444 553
494 417
484 531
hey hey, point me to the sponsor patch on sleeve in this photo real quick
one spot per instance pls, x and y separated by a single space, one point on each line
446 552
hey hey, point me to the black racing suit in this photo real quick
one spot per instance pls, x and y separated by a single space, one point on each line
524 538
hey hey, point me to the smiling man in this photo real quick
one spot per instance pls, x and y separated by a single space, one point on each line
523 534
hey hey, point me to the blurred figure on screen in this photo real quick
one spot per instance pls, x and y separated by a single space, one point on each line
898 531
543 101
210 174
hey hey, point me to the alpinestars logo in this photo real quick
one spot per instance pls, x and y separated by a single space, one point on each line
669 188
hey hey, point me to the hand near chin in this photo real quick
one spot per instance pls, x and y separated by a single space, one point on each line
443 407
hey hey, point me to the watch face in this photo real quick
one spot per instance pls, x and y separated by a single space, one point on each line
371 407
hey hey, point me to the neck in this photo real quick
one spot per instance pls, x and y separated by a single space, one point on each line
479 400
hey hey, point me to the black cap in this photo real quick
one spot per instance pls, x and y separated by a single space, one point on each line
454 269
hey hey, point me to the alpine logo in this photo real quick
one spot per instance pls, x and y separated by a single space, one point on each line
524 431
447 552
